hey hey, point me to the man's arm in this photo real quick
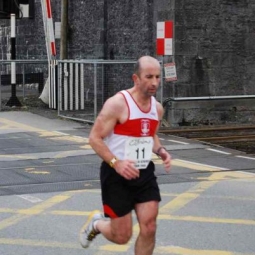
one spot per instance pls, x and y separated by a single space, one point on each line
102 127
104 124
158 148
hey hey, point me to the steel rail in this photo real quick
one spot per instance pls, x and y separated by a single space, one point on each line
225 138
183 130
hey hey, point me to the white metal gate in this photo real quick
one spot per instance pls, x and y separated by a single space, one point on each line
84 85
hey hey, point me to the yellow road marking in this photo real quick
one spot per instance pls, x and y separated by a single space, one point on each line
20 156
160 216
183 251
117 249
61 154
16 125
48 161
37 209
181 200
193 193
87 146
28 242
206 219
186 197
64 154
187 164
49 134
113 248
12 221
34 171
70 213
4 127
71 139
194 165
177 203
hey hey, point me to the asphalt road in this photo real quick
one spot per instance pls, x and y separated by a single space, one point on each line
49 184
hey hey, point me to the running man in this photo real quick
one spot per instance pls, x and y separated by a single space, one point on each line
124 135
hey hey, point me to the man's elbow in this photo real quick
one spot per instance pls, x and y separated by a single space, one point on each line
94 140
91 140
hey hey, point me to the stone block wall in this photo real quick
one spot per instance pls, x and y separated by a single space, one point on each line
214 47
215 56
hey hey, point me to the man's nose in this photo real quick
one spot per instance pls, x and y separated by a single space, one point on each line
155 81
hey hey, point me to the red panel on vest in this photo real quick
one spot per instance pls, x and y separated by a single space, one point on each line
137 127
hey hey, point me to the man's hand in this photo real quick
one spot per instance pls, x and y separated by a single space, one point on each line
166 157
126 168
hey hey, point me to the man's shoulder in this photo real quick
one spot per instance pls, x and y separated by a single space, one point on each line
117 98
116 101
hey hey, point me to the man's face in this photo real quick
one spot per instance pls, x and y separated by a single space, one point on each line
148 80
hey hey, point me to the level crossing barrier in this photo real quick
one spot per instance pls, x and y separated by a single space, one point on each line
30 79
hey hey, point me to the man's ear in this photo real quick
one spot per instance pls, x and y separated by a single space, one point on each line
134 77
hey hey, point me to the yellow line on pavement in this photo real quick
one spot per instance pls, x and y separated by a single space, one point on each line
194 165
70 138
46 204
70 213
54 155
37 209
186 197
4 127
206 219
160 216
28 242
19 156
115 248
12 221
17 125
7 210
49 134
64 245
183 251
180 201
215 196
53 135
240 175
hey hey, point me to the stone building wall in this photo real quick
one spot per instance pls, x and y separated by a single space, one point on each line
215 56
214 47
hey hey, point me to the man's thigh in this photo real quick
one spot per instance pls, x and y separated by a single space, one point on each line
122 225
147 212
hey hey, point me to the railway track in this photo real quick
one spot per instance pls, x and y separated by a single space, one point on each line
241 138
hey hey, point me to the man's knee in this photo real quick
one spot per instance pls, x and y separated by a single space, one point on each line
123 237
121 229
148 229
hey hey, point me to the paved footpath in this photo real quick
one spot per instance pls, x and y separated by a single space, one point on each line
49 185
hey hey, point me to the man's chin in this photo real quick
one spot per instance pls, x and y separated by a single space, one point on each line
152 92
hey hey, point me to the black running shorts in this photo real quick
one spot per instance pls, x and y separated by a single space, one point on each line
119 195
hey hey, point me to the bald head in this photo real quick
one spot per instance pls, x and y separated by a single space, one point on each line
145 62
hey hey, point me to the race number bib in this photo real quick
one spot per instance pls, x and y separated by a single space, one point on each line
139 149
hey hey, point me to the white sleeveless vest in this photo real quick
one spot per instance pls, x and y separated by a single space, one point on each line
138 124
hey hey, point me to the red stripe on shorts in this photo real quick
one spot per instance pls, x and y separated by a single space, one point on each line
109 212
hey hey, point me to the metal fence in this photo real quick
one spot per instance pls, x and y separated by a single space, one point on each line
30 79
84 86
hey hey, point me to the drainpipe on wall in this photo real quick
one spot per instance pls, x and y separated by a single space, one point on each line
105 29
64 29
105 49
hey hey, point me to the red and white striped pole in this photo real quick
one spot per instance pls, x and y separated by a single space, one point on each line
50 28
53 88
